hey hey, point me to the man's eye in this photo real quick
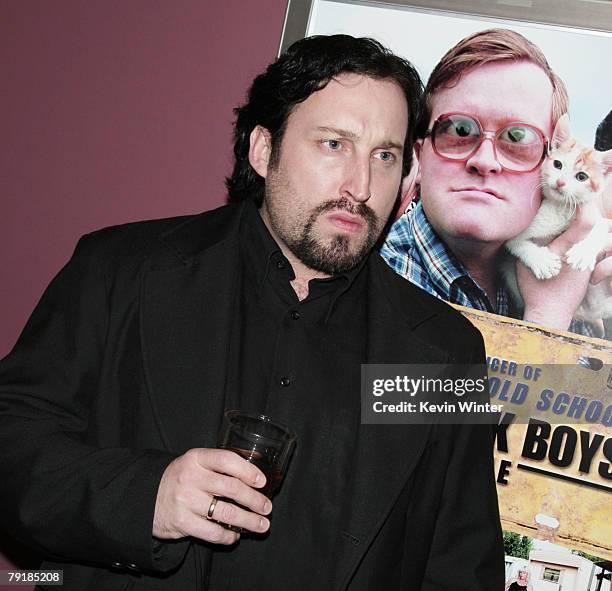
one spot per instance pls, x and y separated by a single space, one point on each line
333 144
462 127
457 127
517 134
386 156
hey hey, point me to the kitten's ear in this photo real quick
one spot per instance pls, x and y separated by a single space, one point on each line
562 131
606 162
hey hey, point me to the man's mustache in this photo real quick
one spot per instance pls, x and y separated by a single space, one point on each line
360 209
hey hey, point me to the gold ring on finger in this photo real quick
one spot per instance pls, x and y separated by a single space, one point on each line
211 508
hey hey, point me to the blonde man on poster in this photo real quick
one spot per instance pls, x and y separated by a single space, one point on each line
451 244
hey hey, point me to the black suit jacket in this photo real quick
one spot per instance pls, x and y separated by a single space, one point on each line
115 375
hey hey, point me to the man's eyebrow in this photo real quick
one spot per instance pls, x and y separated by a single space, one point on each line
351 135
390 144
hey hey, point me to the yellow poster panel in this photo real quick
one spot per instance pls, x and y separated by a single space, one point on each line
554 457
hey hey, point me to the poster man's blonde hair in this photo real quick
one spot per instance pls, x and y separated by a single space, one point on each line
493 45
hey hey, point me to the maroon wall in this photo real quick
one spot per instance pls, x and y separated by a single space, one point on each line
113 111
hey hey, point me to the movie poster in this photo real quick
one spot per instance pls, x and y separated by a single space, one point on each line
554 447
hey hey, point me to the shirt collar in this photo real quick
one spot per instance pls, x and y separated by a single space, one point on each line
447 273
260 250
263 254
441 264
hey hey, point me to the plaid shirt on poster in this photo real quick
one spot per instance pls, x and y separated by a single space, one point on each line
414 251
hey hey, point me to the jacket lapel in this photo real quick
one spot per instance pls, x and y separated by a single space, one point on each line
386 455
187 302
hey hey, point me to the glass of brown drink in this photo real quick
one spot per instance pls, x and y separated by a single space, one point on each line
261 441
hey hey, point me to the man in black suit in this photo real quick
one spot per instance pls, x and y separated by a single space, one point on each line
111 401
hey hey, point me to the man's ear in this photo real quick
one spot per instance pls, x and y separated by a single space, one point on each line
416 154
260 149
409 183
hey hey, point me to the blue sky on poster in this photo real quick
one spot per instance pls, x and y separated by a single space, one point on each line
582 58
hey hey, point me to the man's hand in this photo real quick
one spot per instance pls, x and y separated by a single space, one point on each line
554 301
187 488
603 269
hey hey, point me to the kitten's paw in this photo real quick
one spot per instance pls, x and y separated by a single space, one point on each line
581 257
546 265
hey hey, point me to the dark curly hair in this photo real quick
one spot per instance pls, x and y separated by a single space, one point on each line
307 66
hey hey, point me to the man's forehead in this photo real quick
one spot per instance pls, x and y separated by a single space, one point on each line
499 92
355 104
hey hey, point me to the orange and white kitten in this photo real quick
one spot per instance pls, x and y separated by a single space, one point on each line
573 174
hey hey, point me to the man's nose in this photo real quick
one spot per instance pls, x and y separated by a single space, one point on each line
483 160
356 185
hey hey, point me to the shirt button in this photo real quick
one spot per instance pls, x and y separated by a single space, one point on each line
280 264
295 315
285 382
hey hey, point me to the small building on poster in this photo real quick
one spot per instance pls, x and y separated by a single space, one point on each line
554 568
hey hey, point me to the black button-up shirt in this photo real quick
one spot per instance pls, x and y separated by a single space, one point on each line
299 363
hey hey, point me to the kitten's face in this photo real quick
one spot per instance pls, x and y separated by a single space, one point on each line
573 173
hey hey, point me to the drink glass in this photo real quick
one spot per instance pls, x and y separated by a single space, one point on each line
261 441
